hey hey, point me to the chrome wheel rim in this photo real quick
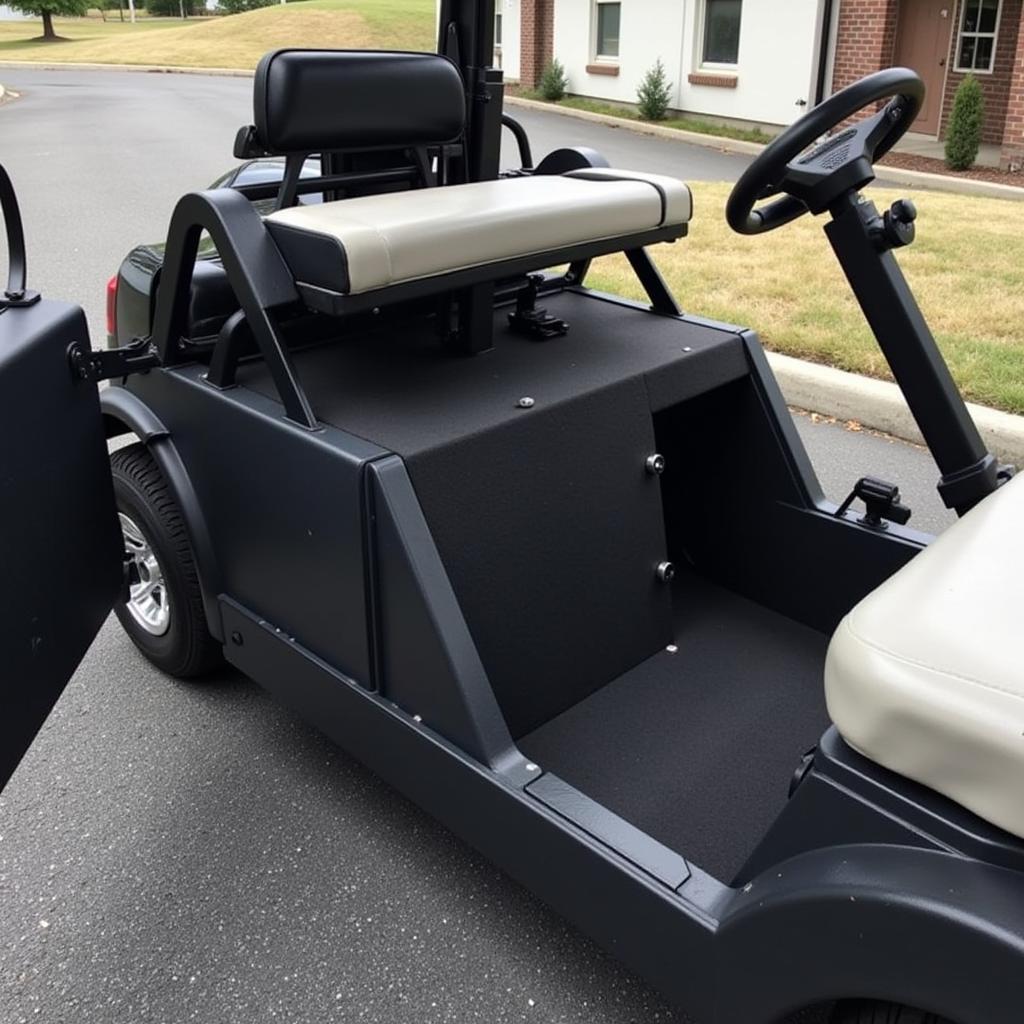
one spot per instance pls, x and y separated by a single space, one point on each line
148 601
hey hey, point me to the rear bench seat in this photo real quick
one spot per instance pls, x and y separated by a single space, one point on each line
926 677
364 244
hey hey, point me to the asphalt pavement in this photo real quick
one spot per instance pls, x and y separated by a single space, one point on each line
174 852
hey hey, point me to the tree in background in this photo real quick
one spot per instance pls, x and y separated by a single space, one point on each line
654 93
171 8
238 6
46 9
964 138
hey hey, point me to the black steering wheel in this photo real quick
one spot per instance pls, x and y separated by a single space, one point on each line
840 164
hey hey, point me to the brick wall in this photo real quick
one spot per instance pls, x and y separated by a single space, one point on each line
537 39
996 86
865 39
1013 134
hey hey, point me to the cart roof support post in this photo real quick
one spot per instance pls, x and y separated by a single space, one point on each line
466 35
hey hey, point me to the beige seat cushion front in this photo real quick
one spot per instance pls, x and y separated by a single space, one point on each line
383 240
926 674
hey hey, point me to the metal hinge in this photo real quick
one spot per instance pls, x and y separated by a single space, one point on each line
106 364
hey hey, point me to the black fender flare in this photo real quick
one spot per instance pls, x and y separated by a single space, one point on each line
925 928
124 412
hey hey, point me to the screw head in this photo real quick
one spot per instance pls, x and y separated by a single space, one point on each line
666 572
237 639
655 464
526 402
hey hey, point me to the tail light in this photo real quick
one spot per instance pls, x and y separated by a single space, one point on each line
112 308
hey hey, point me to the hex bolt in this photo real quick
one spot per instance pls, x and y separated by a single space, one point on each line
526 402
666 572
655 464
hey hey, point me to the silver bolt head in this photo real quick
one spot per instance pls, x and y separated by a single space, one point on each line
655 464
525 402
666 572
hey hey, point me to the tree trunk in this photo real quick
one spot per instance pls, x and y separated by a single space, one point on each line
48 32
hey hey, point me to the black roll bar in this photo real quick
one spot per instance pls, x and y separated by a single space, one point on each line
262 284
16 293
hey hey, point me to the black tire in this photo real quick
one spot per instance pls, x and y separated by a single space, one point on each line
186 648
870 1011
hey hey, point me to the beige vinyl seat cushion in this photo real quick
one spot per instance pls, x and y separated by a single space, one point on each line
366 243
926 675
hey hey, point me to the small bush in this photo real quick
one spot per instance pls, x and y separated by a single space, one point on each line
553 83
654 93
964 136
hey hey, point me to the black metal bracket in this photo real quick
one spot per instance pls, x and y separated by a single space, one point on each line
108 364
881 502
532 320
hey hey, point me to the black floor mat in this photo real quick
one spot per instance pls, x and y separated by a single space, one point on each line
697 747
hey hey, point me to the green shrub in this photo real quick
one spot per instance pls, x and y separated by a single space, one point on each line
654 93
964 136
553 83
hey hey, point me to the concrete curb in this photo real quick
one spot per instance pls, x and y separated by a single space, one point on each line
880 405
642 127
889 174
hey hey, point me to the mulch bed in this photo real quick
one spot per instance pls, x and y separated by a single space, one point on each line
912 162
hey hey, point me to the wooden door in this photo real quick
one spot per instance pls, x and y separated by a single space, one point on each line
922 43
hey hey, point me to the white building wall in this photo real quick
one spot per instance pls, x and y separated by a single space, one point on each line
510 35
648 29
776 68
9 14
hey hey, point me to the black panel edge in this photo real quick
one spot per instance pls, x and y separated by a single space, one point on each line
667 866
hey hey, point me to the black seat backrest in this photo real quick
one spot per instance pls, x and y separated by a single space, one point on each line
340 103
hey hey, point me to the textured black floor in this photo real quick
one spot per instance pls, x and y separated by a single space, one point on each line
400 389
697 748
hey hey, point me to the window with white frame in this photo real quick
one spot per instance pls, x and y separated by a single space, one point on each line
720 42
607 17
976 43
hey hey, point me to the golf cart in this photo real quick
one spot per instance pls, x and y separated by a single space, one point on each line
552 563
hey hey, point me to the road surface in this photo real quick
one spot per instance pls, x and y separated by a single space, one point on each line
173 853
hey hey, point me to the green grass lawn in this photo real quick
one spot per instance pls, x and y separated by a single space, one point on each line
236 41
966 268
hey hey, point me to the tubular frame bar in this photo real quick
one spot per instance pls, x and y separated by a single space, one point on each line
662 300
261 282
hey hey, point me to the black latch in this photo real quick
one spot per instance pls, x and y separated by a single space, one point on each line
107 364
881 502
532 320
895 229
